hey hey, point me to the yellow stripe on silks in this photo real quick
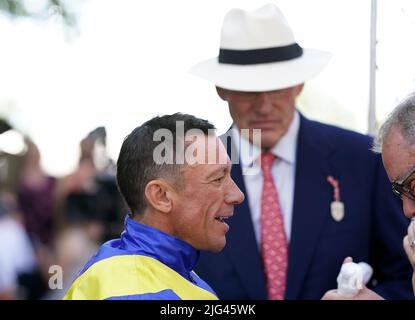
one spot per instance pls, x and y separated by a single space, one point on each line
131 275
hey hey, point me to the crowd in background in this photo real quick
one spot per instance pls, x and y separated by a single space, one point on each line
47 221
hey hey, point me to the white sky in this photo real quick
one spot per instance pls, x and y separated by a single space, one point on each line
130 62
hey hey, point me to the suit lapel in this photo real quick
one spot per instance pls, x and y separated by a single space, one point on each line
312 195
242 248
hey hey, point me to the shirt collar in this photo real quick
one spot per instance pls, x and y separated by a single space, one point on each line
171 251
285 149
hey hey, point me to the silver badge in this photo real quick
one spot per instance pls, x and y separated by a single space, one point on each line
337 210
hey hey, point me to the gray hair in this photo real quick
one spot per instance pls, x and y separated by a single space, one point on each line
402 116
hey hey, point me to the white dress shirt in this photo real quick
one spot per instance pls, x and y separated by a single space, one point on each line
283 173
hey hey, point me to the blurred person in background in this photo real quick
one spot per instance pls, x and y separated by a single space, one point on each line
22 254
17 257
89 197
72 248
35 195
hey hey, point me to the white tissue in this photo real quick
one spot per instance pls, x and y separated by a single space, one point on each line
367 271
352 277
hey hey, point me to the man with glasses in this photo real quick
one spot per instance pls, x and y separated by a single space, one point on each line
396 142
319 195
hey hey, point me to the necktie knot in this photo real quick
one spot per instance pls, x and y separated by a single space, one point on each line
267 158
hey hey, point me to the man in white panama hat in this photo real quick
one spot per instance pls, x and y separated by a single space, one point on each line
320 194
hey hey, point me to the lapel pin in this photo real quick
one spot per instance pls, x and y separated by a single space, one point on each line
337 206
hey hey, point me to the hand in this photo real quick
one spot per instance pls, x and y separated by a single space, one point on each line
410 251
364 294
348 259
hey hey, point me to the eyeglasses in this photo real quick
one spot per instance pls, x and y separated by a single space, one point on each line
402 187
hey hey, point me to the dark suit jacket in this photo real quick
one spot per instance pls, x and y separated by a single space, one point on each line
372 228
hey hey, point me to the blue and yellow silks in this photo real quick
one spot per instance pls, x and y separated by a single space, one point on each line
145 264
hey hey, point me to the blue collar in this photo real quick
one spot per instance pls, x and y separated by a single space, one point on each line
171 251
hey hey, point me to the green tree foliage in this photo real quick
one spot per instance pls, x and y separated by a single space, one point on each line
19 8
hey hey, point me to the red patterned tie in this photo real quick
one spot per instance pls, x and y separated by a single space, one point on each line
273 240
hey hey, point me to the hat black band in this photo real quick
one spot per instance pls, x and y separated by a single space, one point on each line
260 55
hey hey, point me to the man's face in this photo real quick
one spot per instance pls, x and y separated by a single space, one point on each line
270 111
209 194
398 158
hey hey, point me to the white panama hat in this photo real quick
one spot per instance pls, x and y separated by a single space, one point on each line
258 52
